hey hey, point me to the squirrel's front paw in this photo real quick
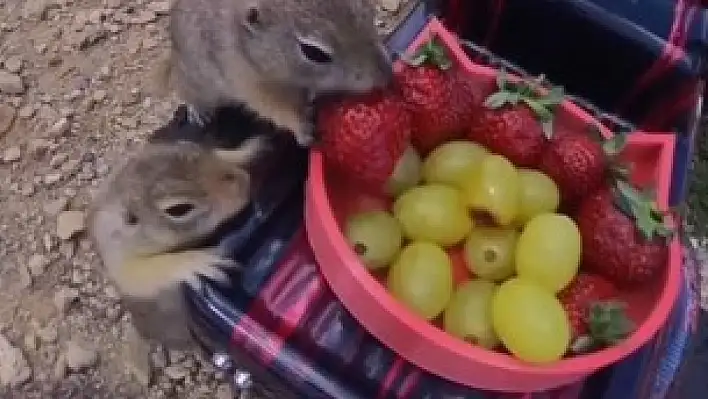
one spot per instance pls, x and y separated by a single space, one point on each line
196 116
307 136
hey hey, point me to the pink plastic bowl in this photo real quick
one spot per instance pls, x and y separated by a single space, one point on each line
430 348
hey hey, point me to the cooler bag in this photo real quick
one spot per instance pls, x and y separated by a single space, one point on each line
630 63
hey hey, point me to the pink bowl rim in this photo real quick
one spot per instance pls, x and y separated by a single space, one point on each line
318 206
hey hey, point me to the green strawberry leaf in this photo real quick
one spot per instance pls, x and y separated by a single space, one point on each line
615 145
554 97
641 207
621 171
497 100
416 59
608 323
430 53
542 113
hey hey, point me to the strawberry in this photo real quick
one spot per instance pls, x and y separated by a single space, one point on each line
516 121
624 237
578 162
365 136
439 99
577 298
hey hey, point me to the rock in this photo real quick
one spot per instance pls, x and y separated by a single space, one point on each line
70 224
14 64
48 334
224 391
26 112
38 8
59 371
61 128
14 369
25 276
159 7
390 5
7 117
138 360
78 357
64 298
37 264
12 154
52 178
176 372
11 83
31 341
53 208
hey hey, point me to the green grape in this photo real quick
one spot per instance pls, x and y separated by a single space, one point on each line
539 194
489 252
433 213
530 321
452 162
375 236
421 278
469 314
493 188
548 251
406 174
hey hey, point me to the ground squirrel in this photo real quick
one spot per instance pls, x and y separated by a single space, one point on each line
273 56
148 219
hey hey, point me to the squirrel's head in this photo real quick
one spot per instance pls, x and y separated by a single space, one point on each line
323 46
167 196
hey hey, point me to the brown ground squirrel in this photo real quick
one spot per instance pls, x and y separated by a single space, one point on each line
147 218
274 56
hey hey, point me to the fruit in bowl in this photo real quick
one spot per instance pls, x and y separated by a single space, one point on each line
536 215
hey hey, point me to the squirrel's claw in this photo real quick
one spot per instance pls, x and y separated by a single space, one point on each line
308 136
196 116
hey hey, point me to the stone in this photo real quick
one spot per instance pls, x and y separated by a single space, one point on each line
70 224
7 117
12 154
11 83
64 298
14 369
37 264
79 357
62 127
14 64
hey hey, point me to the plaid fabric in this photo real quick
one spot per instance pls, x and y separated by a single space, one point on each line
293 327
281 319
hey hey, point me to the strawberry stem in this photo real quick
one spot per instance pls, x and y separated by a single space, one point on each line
527 92
608 325
641 206
431 53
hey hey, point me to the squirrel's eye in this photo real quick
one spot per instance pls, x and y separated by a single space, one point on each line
179 210
315 53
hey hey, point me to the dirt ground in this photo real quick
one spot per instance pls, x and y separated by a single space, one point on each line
75 96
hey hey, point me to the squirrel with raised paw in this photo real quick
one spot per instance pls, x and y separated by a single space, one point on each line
149 221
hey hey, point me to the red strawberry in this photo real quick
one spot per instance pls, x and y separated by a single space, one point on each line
577 298
576 163
365 136
516 121
624 237
439 99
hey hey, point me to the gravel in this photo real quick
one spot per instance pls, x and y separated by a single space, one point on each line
76 97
